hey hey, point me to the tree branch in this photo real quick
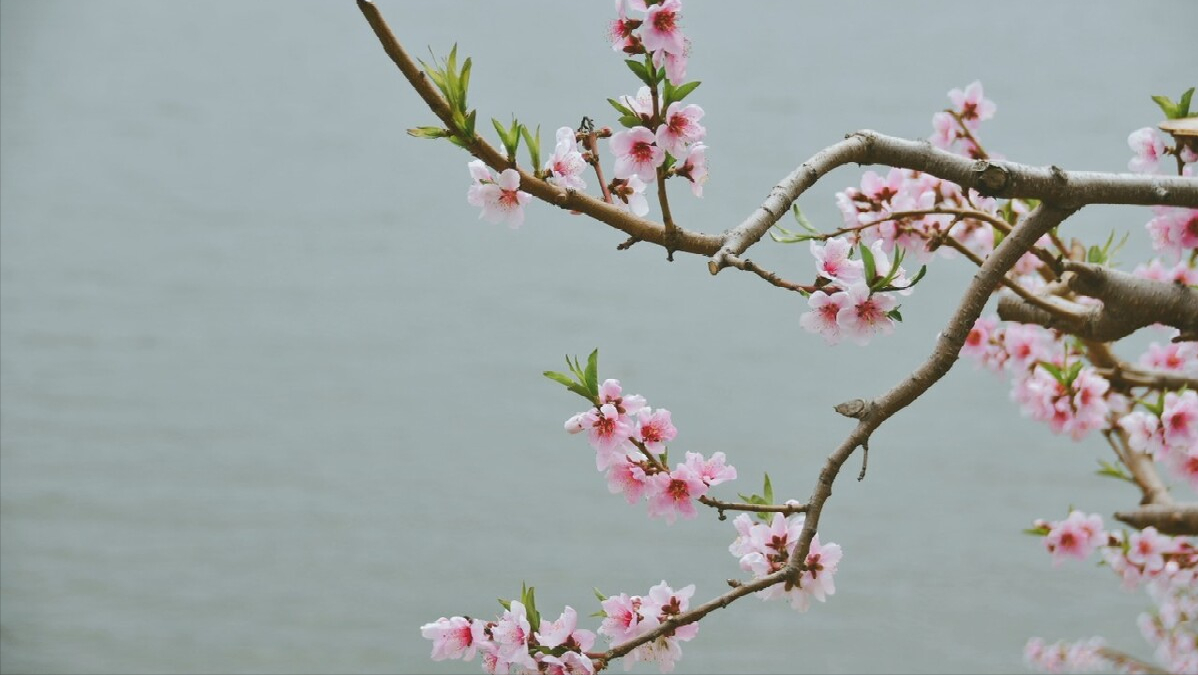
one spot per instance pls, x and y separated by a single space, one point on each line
1069 189
1175 519
1129 303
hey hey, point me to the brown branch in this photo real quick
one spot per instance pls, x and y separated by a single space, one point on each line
1142 468
785 509
1129 303
1123 377
750 266
1069 189
570 200
1129 663
1016 288
1174 519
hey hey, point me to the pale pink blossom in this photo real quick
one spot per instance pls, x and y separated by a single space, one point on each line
971 105
673 493
1143 432
654 429
817 578
511 634
945 130
675 64
980 340
641 104
620 30
623 620
661 31
637 154
631 195
1148 147
1075 537
565 632
611 392
566 166
681 128
452 638
1181 272
608 432
1179 420
865 314
1178 357
821 319
833 261
501 199
694 168
712 471
627 477
1145 548
569 663
1174 230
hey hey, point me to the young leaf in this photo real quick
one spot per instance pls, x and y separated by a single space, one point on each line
682 91
620 107
464 83
428 132
533 141
1037 531
558 377
871 269
802 220
1183 106
895 314
767 490
1113 471
639 70
592 373
1167 106
600 595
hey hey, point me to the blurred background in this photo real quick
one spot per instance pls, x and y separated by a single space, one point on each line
272 393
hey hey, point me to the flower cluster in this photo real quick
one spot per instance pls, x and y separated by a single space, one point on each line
512 644
627 617
630 440
765 548
1168 430
500 198
954 127
854 299
1166 567
657 32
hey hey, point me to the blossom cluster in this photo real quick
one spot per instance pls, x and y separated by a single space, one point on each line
1051 383
629 439
627 617
511 644
664 137
765 548
1166 567
849 301
1174 230
954 127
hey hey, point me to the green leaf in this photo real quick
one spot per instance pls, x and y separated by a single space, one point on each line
639 70
871 269
682 91
592 373
1183 106
789 237
559 378
630 121
620 107
1167 106
533 141
507 604
1053 370
529 596
895 314
428 132
502 131
802 220
464 82
1037 531
599 594
600 613
1113 471
470 125
767 490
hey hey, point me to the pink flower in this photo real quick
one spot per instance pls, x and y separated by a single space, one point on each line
565 632
566 166
979 343
660 31
1180 273
1148 147
816 580
641 104
821 319
665 603
971 105
681 128
608 432
631 195
712 471
452 638
655 429
1143 432
500 198
570 663
511 635
1179 357
1145 548
1174 230
628 477
1076 537
624 619
694 168
833 261
675 63
945 128
611 392
865 315
673 493
636 154
620 31
1179 420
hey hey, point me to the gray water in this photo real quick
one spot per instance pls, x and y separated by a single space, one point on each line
272 393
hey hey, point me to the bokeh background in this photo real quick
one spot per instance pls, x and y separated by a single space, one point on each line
271 392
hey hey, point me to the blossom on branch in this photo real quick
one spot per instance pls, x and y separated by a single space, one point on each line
501 199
